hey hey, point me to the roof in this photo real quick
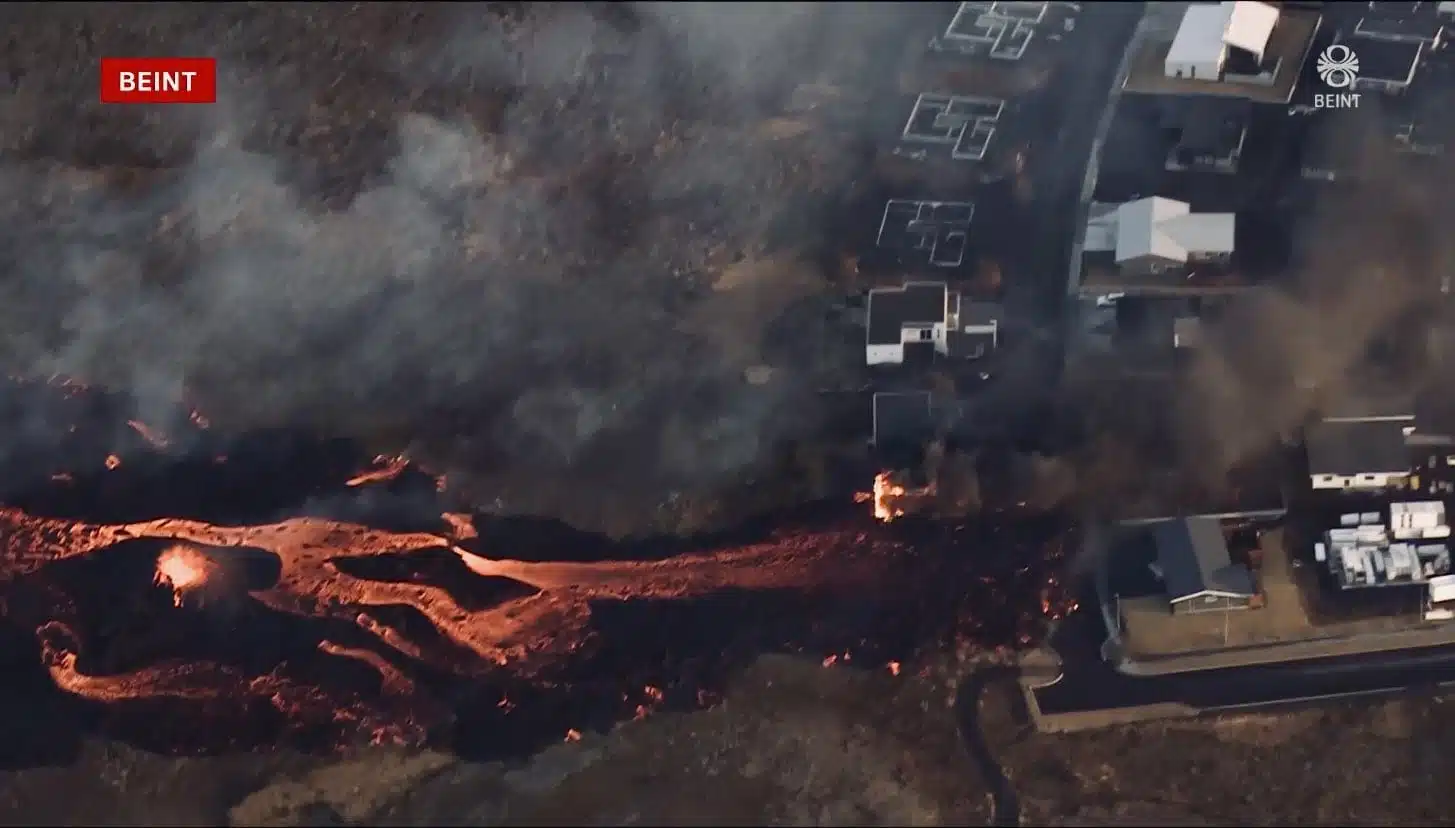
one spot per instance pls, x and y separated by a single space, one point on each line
965 345
980 313
1199 38
1386 60
903 418
914 303
1216 126
1348 447
1169 229
1250 25
1193 555
1400 21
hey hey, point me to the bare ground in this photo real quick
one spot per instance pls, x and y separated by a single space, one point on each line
798 744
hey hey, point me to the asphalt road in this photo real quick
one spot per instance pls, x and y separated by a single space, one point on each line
1056 163
1090 684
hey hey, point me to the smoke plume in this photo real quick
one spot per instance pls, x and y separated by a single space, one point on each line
488 229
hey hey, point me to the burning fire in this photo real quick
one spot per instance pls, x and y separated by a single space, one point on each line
890 497
885 497
184 570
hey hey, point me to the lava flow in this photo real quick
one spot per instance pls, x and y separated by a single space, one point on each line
402 636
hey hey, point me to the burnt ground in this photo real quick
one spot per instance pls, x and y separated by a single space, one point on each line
799 744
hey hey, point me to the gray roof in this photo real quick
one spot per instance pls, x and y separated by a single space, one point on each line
1194 558
980 313
916 303
1348 447
964 345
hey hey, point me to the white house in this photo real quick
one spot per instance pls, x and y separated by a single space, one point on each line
928 318
1155 234
1363 454
1208 30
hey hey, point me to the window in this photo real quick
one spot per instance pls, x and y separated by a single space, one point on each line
926 334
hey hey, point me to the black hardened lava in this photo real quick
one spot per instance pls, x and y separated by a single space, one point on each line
953 582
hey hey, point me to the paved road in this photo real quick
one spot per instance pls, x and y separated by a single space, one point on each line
1090 684
1056 165
1065 117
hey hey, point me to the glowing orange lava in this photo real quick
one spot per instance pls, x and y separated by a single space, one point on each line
527 633
184 569
385 468
155 438
112 462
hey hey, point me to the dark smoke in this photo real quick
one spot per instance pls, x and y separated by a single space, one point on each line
1345 330
509 227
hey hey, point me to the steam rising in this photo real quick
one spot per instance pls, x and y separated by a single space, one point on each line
498 221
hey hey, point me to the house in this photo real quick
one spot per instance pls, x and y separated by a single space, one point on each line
1157 234
1359 454
1196 569
920 320
1401 23
903 419
1208 32
1446 9
1210 133
1386 66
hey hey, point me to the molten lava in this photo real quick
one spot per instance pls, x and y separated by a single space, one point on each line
184 570
524 632
385 468
154 438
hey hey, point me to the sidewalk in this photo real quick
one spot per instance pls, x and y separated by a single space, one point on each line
1289 651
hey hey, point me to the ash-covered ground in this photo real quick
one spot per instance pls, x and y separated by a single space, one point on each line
798 744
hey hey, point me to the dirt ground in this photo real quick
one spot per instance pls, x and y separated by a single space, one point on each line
797 744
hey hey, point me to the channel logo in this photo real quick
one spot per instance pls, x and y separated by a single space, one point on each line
175 80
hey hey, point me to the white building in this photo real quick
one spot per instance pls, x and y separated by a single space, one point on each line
1155 234
929 318
1446 8
1199 50
1367 454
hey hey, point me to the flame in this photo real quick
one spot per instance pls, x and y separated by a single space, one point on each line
386 468
151 435
885 497
184 569
112 462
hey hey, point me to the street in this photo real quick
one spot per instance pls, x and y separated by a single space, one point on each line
1089 684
